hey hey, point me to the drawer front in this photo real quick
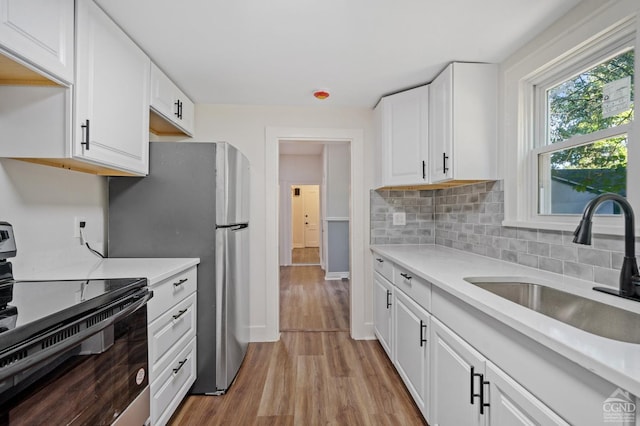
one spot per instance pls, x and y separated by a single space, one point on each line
171 291
413 286
383 266
178 324
168 390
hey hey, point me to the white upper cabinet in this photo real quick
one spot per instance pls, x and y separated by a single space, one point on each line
40 32
111 119
404 138
463 123
171 110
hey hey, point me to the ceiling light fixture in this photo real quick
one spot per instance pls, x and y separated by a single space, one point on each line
321 94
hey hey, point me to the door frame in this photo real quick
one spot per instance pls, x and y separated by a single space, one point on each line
359 327
286 244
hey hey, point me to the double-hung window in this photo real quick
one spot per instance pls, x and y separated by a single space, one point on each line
583 111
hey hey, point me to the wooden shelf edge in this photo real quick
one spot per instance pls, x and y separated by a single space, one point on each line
76 166
432 186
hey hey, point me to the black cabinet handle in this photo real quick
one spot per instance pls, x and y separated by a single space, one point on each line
379 260
179 314
388 299
445 169
483 404
177 104
424 170
86 135
180 110
179 283
406 276
480 394
423 326
180 364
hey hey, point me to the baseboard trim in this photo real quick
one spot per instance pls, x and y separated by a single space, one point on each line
331 276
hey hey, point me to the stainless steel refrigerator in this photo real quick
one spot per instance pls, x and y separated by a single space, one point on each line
194 203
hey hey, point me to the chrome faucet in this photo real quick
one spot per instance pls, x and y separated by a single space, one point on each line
629 279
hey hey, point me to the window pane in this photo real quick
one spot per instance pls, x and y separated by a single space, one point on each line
574 107
569 178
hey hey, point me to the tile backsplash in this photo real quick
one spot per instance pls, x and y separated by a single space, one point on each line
469 218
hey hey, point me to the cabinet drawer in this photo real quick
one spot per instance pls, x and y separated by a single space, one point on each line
383 267
176 325
172 385
413 286
171 291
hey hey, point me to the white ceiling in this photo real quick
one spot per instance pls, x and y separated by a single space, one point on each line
278 52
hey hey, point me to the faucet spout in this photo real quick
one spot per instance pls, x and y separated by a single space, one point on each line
629 280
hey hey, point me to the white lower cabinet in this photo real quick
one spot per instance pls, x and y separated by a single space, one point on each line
172 342
383 310
411 332
451 382
455 380
470 390
512 405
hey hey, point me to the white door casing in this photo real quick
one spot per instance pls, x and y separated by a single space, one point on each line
360 299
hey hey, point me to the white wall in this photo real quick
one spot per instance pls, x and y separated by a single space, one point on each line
244 127
301 169
294 170
41 203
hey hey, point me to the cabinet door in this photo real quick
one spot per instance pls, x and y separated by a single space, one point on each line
452 382
112 94
511 404
163 99
383 312
412 348
41 32
186 117
405 137
441 126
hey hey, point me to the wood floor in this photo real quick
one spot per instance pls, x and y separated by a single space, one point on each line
311 376
309 303
307 255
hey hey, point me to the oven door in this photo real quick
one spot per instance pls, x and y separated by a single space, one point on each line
92 383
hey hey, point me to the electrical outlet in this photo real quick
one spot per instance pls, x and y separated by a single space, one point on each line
400 218
76 226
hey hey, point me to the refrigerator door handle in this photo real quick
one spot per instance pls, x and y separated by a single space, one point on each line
234 227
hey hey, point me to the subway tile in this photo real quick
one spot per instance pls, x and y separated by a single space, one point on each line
594 257
537 248
517 245
578 270
563 252
509 256
528 234
528 260
509 232
608 242
606 276
548 236
494 252
551 265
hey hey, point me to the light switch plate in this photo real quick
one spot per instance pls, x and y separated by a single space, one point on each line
400 218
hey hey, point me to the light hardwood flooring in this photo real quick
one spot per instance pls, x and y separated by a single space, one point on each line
312 376
307 255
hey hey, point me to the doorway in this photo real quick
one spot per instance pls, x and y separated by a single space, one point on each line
305 224
359 299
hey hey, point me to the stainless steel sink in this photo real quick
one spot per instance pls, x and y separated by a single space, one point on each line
586 314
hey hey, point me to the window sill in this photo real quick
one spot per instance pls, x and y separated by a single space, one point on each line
570 227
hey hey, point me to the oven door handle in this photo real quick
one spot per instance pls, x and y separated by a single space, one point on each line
141 298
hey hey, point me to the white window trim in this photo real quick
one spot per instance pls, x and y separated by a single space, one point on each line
596 34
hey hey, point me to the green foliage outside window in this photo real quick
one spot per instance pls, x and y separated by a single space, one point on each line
575 108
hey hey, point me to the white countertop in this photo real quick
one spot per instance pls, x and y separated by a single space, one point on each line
154 270
446 268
